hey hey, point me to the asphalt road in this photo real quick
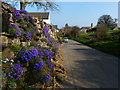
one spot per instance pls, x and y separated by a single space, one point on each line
89 68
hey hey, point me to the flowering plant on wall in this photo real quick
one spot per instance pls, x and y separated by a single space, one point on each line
14 30
23 25
37 61
32 64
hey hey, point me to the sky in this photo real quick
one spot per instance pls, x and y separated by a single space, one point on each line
79 14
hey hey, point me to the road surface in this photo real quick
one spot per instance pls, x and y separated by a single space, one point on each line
89 68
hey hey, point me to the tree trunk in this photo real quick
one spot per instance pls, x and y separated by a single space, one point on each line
22 5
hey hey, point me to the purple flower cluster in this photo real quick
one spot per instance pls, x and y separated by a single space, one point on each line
51 38
50 64
39 65
3 72
48 54
16 14
18 31
28 35
16 71
23 11
48 78
14 25
45 79
28 55
40 52
45 31
50 41
34 52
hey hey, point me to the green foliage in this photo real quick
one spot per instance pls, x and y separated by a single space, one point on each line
108 21
11 30
110 44
15 48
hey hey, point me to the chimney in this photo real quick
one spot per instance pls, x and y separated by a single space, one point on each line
91 25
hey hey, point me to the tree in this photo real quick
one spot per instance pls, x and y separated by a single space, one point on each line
75 31
102 30
42 4
108 21
67 31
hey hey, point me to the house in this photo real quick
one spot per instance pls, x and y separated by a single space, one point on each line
45 16
116 28
55 26
84 29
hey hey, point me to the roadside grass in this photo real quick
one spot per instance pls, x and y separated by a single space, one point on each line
109 45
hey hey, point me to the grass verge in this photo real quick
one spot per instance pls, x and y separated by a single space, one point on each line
110 45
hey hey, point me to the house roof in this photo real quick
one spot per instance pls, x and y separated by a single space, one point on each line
43 15
55 26
84 27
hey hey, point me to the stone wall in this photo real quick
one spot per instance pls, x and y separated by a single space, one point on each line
30 51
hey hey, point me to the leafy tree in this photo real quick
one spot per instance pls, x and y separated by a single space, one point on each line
102 30
67 31
108 21
74 31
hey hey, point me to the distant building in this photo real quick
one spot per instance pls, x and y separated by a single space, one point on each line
55 26
45 16
88 29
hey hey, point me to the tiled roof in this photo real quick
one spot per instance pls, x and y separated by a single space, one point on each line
43 15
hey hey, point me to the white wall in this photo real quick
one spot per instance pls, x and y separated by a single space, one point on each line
47 20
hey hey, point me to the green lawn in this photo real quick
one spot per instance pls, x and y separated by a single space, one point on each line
110 45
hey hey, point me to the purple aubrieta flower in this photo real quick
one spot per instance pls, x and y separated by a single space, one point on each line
39 65
45 79
49 42
40 52
46 28
28 35
16 14
23 11
16 71
14 25
4 75
51 38
48 78
50 64
34 52
18 32
45 31
48 54
28 55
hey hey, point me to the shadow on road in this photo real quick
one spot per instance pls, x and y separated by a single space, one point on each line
90 68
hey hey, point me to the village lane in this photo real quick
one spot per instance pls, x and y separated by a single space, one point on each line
89 68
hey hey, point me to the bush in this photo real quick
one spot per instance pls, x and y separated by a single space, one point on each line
102 30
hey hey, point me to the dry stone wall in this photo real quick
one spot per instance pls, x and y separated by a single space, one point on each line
30 51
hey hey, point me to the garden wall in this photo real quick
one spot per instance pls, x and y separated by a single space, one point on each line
30 51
